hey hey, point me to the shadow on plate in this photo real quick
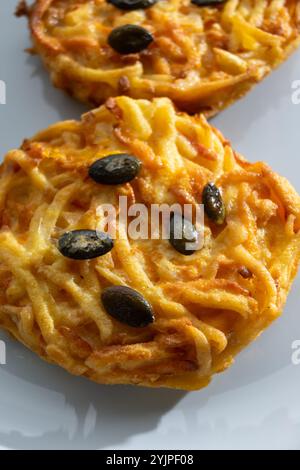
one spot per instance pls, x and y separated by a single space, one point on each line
88 415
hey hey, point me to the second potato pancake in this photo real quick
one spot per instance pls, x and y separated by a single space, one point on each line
203 54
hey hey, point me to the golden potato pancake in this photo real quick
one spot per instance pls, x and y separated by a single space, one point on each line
193 313
202 57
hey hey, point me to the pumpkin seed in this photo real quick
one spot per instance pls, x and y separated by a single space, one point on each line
115 169
127 306
84 244
129 39
132 4
206 3
213 203
182 232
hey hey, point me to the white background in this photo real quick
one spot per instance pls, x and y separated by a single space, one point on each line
256 404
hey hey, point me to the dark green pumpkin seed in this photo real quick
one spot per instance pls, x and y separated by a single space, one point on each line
182 233
213 203
84 244
115 169
206 3
127 306
129 39
132 4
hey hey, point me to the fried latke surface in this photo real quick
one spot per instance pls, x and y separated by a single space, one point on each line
203 58
207 306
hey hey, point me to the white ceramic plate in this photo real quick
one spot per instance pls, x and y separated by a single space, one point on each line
256 404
